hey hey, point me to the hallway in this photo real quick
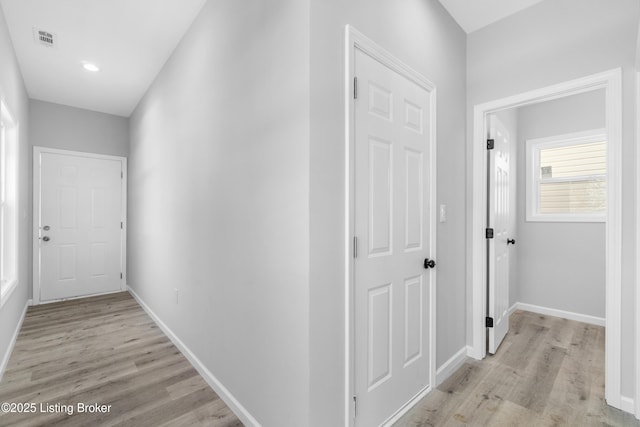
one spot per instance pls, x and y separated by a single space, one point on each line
104 350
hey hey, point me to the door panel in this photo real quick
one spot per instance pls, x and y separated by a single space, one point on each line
499 216
81 205
392 357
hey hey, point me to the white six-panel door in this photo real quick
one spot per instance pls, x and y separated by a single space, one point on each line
499 217
79 225
392 228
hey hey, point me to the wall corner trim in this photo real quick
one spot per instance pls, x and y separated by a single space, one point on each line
230 400
14 338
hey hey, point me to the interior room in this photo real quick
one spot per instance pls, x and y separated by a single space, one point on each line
319 213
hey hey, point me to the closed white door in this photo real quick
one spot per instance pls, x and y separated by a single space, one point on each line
499 217
392 227
79 225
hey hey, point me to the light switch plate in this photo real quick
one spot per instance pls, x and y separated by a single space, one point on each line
443 213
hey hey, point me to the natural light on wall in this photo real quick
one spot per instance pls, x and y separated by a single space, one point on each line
567 177
8 203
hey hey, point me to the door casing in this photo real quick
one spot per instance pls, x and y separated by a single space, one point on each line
611 81
356 40
37 151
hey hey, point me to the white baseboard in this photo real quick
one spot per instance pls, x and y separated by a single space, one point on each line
513 308
12 343
627 404
584 318
451 365
213 382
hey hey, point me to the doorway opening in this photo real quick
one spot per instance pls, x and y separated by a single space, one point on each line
610 82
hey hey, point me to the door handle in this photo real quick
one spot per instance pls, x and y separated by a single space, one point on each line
511 241
429 263
46 238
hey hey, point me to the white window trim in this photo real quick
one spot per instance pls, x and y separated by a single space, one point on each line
11 125
533 147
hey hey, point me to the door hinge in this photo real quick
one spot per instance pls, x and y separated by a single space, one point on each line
121 275
121 175
355 247
121 225
490 144
488 233
355 406
355 88
488 322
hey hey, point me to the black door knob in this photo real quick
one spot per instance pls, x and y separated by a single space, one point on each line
429 263
511 241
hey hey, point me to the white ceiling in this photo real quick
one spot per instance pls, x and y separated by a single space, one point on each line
130 40
472 15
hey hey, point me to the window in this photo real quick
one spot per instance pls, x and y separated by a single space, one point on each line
567 177
8 203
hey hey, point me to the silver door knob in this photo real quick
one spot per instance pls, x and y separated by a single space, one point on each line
46 238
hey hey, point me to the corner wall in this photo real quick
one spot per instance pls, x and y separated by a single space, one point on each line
218 232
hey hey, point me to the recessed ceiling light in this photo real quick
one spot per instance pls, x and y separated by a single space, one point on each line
90 67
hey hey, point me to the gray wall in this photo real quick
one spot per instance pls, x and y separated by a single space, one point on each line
13 92
560 264
556 41
424 36
68 128
219 201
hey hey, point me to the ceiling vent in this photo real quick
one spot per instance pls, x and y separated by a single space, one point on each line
45 38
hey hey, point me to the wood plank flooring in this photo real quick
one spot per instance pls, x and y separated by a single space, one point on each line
547 372
104 350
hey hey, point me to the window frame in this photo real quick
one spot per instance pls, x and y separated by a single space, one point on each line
9 146
533 179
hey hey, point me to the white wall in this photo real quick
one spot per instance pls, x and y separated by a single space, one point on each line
424 36
219 201
556 41
13 92
561 265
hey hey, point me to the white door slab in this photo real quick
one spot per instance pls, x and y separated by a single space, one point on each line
392 228
499 216
79 225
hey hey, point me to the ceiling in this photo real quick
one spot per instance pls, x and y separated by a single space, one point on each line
472 15
129 40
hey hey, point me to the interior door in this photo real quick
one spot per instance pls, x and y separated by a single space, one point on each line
499 217
392 217
80 225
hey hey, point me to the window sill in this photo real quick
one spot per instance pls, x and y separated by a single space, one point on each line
567 218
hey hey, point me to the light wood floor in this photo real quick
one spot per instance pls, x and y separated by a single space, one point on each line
547 372
105 350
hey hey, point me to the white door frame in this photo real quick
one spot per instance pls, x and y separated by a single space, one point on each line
356 40
637 305
611 81
37 151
